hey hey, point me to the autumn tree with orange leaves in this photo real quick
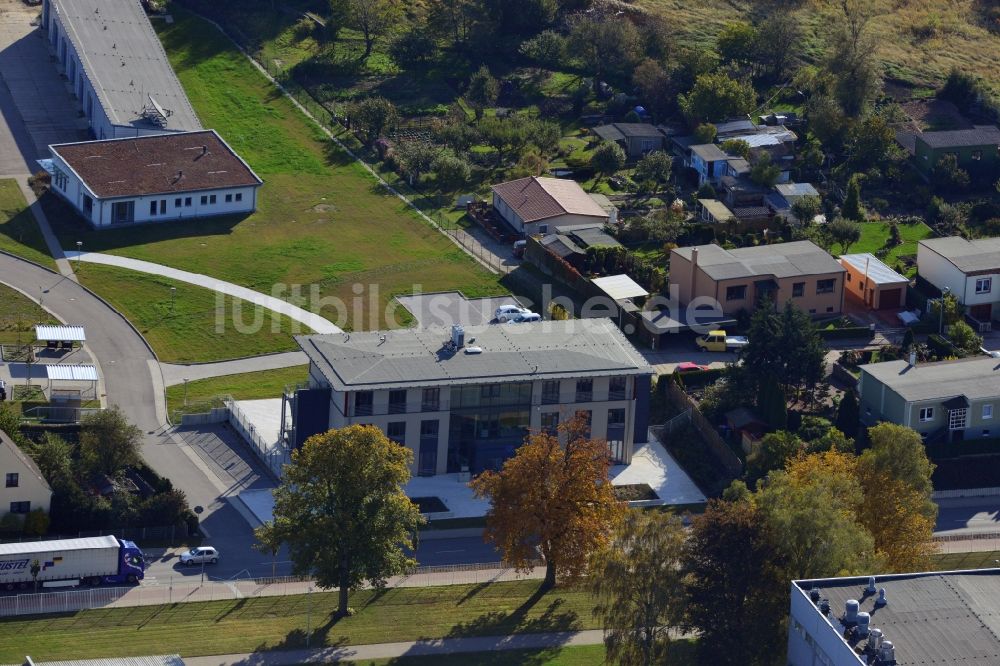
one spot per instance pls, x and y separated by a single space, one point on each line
552 498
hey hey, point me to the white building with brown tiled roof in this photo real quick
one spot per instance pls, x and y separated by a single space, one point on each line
22 486
537 205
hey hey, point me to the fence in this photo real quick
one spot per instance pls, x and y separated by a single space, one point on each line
719 449
274 455
155 592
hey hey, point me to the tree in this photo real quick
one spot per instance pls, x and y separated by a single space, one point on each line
268 541
849 414
737 42
778 38
639 587
452 172
852 209
554 499
547 48
785 346
372 18
108 442
852 60
412 47
871 141
415 158
948 177
831 440
653 82
374 116
607 159
964 338
773 453
654 169
36 523
606 47
483 91
453 19
895 476
736 585
844 232
705 133
805 209
771 401
765 172
716 97
736 147
53 457
952 309
342 511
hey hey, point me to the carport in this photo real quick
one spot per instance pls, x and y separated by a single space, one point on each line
78 374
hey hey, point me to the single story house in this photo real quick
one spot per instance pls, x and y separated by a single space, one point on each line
967 269
24 488
740 279
871 281
709 162
636 139
535 204
154 178
951 400
976 149
785 195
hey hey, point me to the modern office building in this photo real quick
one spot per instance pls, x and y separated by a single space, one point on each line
464 399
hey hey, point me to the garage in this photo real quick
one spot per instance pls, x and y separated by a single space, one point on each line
890 299
872 282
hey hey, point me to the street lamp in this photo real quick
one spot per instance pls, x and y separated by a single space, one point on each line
944 292
79 251
173 294
185 392
308 616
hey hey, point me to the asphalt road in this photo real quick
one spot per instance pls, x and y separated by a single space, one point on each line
968 516
463 550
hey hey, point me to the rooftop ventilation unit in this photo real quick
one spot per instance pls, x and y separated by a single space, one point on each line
851 612
871 579
814 595
864 621
882 599
874 640
886 655
458 336
473 350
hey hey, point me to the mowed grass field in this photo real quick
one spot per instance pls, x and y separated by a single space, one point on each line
918 41
200 326
18 313
19 233
322 219
875 234
246 625
204 394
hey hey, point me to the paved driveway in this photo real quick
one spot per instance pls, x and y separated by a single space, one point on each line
35 103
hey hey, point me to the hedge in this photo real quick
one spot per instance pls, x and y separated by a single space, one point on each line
846 332
699 378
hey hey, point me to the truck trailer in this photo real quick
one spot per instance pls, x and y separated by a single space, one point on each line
104 560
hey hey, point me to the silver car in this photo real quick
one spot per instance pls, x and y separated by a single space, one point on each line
200 555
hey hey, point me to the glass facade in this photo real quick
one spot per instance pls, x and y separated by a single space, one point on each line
488 423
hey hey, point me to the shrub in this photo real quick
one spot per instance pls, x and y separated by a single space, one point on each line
36 523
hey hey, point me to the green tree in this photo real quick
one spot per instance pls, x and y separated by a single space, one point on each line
844 232
108 442
778 42
716 97
639 587
483 91
852 58
849 414
736 147
36 523
737 42
737 585
784 345
607 159
773 453
964 338
53 455
268 542
452 172
805 209
765 172
374 116
342 511
771 401
705 133
372 18
654 169
948 177
831 440
605 46
952 309
871 142
852 209
454 20
415 158
547 48
414 46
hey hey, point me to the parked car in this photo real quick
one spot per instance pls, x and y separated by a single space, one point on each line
526 317
688 366
200 555
519 247
505 313
718 341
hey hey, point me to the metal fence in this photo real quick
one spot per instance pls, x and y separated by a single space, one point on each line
159 592
274 455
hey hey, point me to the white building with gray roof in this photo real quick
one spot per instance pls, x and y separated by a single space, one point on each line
464 399
117 68
967 269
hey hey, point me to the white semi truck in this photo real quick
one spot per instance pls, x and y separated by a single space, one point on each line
104 560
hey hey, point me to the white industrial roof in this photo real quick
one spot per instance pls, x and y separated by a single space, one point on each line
155 660
73 373
877 271
619 287
60 333
86 543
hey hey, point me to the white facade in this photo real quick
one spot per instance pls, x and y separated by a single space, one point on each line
22 487
970 290
812 638
164 207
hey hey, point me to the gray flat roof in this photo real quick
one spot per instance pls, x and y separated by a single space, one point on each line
878 272
511 353
967 256
796 190
978 135
155 660
975 378
931 618
125 61
710 152
780 260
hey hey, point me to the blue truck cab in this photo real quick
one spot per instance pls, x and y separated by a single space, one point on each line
131 564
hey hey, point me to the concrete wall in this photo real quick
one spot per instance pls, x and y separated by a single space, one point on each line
30 486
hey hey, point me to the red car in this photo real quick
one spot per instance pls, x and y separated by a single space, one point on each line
688 366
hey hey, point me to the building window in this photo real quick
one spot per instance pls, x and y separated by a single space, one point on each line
984 285
825 286
830 309
550 422
187 201
848 277
812 310
396 431
977 155
211 199
430 401
177 202
363 401
229 198
20 507
987 412
12 479
60 179
550 392
397 402
204 200
616 417
489 391
616 389
738 293
798 289
152 208
584 390
163 206
956 419
926 414
239 196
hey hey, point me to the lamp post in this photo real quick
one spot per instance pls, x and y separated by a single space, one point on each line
308 616
79 251
173 295
944 292
185 391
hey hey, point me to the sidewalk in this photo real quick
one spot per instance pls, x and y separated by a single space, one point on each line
433 646
176 373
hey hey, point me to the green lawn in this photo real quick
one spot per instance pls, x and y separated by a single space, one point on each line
18 313
19 232
204 394
875 234
198 328
682 654
958 561
246 625
322 219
